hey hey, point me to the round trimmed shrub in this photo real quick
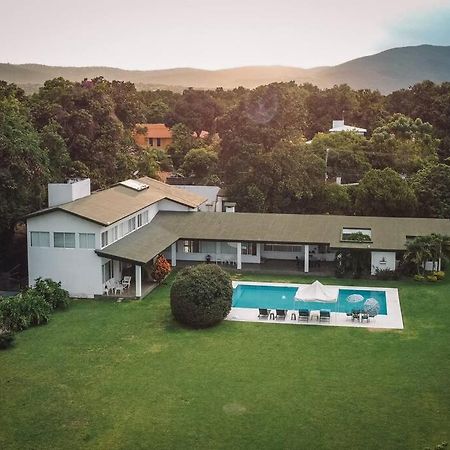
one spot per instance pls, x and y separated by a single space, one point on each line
201 295
53 293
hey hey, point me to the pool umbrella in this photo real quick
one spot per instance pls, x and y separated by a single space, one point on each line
355 298
316 292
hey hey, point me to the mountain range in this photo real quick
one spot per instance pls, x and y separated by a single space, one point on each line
386 71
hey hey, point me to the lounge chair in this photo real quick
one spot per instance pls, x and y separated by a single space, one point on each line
126 282
325 315
364 316
303 314
264 313
281 314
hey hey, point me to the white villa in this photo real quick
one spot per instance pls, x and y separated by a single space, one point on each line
89 240
338 126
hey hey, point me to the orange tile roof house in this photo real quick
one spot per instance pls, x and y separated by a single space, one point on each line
152 134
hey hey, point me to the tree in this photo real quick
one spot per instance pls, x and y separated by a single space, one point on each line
431 185
182 142
384 193
404 144
347 154
201 295
161 268
199 163
24 167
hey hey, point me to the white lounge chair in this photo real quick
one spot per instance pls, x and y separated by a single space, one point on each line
126 282
109 286
118 287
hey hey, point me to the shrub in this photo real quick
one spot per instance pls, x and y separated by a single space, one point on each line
23 310
6 339
13 315
201 295
386 274
419 278
439 275
160 269
53 293
35 305
432 278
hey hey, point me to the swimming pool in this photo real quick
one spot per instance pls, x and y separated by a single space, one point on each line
283 297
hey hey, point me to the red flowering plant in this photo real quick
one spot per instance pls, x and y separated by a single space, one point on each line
161 268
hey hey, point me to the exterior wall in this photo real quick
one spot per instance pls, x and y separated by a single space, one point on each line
142 140
168 205
314 254
382 260
79 270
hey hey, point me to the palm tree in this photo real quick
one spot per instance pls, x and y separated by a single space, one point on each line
417 252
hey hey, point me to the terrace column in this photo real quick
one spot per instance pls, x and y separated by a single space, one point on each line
306 247
238 256
173 254
138 280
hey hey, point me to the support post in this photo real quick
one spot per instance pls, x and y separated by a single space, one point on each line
306 258
218 255
239 256
138 280
173 254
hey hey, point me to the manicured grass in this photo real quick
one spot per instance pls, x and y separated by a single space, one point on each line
108 375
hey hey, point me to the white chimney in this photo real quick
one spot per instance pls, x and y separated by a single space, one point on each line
337 123
59 193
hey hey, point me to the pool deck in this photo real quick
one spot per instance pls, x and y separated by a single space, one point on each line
393 320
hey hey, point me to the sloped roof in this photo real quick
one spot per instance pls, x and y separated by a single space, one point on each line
388 233
155 130
347 128
110 205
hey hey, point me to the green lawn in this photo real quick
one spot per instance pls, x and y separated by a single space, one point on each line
111 375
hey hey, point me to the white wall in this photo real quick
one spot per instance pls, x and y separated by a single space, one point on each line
382 260
168 205
79 270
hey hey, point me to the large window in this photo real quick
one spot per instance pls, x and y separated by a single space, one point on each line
150 142
191 247
105 239
282 248
131 224
158 142
115 233
87 240
107 271
64 240
248 248
356 234
40 239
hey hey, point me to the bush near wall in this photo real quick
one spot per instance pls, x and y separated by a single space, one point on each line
31 307
201 295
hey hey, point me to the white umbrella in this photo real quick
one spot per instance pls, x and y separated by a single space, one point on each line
316 292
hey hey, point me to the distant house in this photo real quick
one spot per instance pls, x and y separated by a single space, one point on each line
339 126
152 135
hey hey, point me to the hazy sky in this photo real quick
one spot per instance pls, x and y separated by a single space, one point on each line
212 34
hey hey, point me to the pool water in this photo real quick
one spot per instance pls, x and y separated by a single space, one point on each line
280 297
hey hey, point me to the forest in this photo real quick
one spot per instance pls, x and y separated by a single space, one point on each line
268 147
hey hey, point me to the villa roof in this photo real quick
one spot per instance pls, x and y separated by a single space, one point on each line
155 130
347 128
110 205
387 233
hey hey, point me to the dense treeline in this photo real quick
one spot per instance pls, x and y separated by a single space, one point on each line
256 146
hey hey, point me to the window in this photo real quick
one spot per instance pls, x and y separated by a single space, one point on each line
104 239
131 224
191 247
150 142
145 216
282 248
115 233
356 234
158 142
64 240
107 271
40 239
323 248
87 240
248 248
121 229
140 220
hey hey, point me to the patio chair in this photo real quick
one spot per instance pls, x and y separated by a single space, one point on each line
108 286
281 314
365 316
303 314
325 315
264 313
118 288
356 314
126 282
